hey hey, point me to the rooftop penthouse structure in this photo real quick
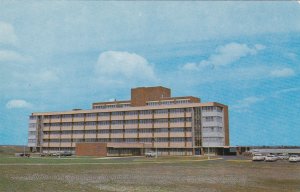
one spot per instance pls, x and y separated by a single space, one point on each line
152 120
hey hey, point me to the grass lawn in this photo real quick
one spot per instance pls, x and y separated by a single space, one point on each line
141 174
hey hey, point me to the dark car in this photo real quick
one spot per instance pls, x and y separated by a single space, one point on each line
66 153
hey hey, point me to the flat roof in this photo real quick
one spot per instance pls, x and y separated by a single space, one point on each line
147 107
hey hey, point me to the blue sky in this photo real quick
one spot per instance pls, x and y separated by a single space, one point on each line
60 55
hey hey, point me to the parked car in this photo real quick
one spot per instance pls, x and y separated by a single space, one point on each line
258 157
150 154
271 158
294 158
43 154
22 154
66 153
54 154
61 153
283 157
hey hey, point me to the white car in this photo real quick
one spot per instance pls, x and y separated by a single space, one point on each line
271 158
283 157
258 157
150 154
294 158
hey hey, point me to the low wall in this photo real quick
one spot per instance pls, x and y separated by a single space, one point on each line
91 149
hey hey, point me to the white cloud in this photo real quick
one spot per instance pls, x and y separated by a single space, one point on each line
285 72
7 34
285 91
46 76
123 67
243 104
225 55
6 55
18 103
190 66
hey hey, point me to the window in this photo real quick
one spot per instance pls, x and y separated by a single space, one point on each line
115 122
90 131
91 140
212 129
109 106
65 140
130 130
118 113
218 109
117 140
32 125
177 120
91 115
91 123
213 139
162 130
145 121
104 131
146 140
160 120
180 120
68 124
67 132
177 130
55 124
103 123
117 131
67 116
78 115
177 110
103 140
78 132
32 117
152 103
131 113
99 107
167 102
145 130
177 139
212 109
124 105
55 117
31 140
78 123
146 112
161 140
161 111
213 118
208 119
103 114
130 140
182 101
131 122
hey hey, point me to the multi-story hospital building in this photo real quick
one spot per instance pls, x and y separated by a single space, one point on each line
151 120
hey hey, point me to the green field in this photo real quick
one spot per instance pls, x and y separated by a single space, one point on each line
141 174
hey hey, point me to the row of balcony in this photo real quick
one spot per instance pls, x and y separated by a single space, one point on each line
213 134
116 135
119 117
212 113
158 145
118 126
212 124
